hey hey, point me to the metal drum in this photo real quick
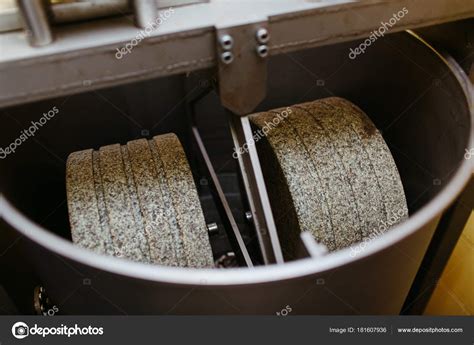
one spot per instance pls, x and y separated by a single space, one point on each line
417 99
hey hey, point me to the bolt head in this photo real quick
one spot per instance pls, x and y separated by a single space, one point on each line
263 36
262 50
226 42
227 57
212 228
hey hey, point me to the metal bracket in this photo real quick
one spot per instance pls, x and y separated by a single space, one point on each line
242 72
242 66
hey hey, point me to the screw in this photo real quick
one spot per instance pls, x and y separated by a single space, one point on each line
226 42
262 35
262 50
248 216
227 57
227 260
212 228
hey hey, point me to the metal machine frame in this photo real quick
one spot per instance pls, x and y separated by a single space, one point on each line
75 63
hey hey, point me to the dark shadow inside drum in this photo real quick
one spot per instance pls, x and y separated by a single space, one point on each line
407 91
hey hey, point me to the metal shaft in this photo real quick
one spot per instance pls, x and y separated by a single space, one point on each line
145 12
36 22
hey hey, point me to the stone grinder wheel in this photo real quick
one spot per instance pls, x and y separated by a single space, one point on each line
139 202
328 171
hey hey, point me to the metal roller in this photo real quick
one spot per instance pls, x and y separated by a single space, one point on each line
328 171
139 202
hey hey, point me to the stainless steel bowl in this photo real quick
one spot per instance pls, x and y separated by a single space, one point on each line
411 93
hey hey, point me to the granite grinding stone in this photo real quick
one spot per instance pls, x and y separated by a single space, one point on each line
152 203
99 193
82 203
128 237
381 159
330 160
193 236
329 163
138 201
288 147
378 154
357 169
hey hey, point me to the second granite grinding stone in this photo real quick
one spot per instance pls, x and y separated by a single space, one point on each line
138 201
328 171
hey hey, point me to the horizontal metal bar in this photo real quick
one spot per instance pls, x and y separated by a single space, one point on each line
88 56
79 10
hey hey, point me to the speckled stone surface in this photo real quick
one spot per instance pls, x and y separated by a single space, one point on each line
128 236
290 149
82 202
99 194
192 237
138 201
331 163
153 203
382 161
356 167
